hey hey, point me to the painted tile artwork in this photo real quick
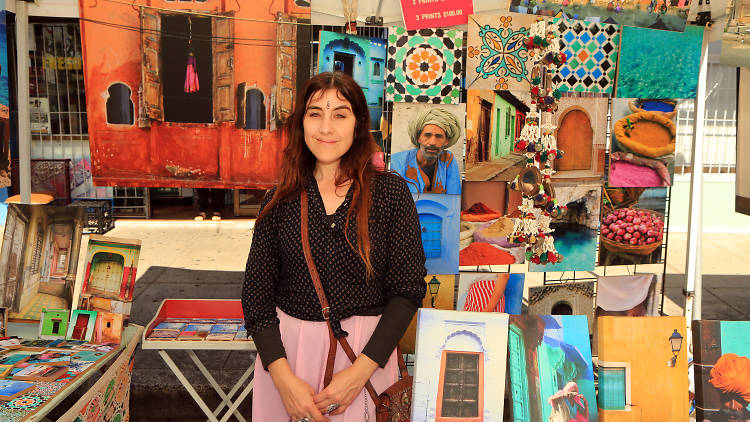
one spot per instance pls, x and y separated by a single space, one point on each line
591 49
497 56
670 15
467 351
551 373
722 367
659 64
424 66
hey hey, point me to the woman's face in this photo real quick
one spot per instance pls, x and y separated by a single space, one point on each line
329 124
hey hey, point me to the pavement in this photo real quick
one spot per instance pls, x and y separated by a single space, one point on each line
186 259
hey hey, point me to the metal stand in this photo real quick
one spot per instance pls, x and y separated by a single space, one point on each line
226 399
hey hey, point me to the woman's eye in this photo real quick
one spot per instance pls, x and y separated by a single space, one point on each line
313 114
340 116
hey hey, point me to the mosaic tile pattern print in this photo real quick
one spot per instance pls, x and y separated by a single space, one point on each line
18 408
591 49
497 57
424 66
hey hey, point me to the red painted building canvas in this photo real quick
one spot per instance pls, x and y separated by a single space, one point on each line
189 93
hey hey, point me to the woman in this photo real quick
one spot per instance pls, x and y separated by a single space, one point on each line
366 243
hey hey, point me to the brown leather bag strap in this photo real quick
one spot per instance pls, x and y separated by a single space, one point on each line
325 307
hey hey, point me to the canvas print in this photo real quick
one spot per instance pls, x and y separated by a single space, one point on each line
4 106
109 280
82 325
497 55
202 81
439 295
490 292
575 231
54 358
39 258
640 75
563 299
11 389
486 224
628 295
54 324
632 226
439 222
591 49
460 366
427 145
359 57
657 14
736 36
424 66
644 138
551 373
581 133
40 373
3 321
643 368
722 370
495 120
108 328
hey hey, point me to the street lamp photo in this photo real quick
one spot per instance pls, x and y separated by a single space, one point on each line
434 286
676 341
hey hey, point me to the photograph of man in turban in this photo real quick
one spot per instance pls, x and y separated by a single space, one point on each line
731 376
430 167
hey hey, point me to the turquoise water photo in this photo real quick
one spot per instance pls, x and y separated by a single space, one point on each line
659 64
577 244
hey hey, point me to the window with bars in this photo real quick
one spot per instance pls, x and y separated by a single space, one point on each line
56 87
461 390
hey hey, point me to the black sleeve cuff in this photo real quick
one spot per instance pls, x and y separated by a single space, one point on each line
269 345
392 325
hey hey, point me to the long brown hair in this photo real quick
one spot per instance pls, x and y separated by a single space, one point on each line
356 166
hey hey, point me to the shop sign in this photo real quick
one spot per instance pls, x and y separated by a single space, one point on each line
420 14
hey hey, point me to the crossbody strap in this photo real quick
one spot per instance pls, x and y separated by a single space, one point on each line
325 307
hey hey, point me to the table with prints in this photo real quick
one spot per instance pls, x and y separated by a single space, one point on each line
203 308
57 395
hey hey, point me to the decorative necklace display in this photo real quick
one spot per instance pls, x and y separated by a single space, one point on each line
537 142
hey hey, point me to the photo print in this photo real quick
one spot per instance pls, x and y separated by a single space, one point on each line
460 366
644 139
361 58
486 224
551 373
657 14
439 221
490 292
645 54
424 66
575 231
427 145
633 226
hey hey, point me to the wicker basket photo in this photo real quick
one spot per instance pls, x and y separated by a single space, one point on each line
618 247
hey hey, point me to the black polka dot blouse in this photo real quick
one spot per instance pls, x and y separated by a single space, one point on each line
277 275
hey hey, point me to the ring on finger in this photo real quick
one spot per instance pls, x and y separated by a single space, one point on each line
332 407
304 419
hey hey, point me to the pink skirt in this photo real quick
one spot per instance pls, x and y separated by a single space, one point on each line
306 345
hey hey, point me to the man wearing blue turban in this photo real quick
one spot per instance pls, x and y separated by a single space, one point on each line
430 167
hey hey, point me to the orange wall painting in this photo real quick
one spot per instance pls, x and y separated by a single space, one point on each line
146 130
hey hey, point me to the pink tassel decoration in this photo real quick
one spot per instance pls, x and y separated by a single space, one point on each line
191 75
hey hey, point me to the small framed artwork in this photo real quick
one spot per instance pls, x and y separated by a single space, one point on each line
52 358
9 389
54 324
5 370
14 357
108 328
81 326
40 373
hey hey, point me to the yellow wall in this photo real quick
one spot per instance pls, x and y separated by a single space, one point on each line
658 392
444 300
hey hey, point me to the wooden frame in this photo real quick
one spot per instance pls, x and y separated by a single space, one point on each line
480 388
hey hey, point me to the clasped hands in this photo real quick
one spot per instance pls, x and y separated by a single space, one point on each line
301 400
